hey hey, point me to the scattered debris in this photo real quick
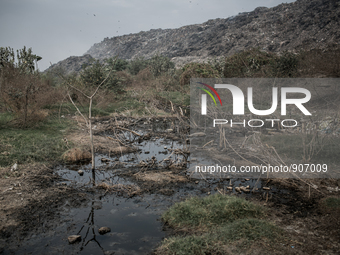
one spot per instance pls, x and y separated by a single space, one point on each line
330 189
14 167
121 189
198 134
105 160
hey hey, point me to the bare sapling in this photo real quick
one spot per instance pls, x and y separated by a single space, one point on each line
88 120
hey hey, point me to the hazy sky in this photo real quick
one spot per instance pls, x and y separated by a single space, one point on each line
57 29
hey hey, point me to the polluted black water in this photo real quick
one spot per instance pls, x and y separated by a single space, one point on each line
134 221
134 224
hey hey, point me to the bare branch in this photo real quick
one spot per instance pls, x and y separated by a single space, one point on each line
63 78
68 93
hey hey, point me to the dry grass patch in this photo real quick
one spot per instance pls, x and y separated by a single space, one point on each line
121 189
160 177
76 154
101 144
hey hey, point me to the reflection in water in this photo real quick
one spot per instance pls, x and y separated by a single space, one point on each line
91 225
90 222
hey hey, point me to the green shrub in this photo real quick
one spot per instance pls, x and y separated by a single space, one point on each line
94 74
243 232
160 64
218 64
332 202
210 211
118 65
249 63
286 65
136 65
256 63
197 70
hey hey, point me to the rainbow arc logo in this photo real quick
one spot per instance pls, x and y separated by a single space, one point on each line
209 93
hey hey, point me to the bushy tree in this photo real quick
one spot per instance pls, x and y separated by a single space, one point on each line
95 73
160 64
197 70
21 88
136 65
257 63
7 57
119 65
286 65
26 60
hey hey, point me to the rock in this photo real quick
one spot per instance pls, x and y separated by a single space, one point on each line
81 172
104 230
238 189
74 238
229 188
244 189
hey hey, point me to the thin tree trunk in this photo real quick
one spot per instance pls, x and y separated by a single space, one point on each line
92 146
26 106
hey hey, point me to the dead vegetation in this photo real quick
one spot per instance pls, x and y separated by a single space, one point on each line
76 154
161 177
120 189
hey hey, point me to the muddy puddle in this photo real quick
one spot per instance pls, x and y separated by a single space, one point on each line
134 220
135 228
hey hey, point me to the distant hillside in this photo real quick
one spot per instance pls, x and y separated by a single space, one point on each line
304 24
